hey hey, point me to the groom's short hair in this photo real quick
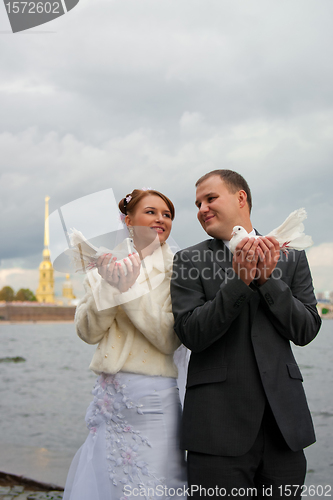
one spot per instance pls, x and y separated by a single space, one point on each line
232 180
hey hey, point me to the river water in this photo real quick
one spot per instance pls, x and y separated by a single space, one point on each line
43 399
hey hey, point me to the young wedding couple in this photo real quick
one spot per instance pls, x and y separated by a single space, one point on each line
245 420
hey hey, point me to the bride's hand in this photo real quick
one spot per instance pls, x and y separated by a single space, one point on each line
106 268
113 272
133 264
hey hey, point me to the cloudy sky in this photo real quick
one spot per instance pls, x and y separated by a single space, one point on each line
130 93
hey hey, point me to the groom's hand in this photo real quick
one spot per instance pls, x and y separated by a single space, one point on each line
245 259
269 254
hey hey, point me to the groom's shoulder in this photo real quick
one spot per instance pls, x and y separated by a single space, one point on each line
195 250
199 246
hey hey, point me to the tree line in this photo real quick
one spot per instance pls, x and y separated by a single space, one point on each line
22 295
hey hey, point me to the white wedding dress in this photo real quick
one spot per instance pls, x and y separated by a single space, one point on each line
132 449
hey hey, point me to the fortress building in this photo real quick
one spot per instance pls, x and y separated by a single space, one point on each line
67 292
47 308
45 290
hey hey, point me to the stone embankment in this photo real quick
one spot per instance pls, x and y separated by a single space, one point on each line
34 311
20 488
19 493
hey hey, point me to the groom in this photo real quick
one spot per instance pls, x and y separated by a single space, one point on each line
246 419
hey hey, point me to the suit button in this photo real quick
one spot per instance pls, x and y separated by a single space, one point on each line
269 299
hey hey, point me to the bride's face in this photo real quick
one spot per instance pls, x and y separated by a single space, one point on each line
151 219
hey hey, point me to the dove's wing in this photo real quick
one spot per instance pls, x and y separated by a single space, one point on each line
77 238
291 232
292 224
83 254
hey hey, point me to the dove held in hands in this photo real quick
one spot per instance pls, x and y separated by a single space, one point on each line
290 235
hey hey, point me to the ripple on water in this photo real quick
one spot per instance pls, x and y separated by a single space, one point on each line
50 402
325 414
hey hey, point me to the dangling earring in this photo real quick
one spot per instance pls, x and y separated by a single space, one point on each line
131 231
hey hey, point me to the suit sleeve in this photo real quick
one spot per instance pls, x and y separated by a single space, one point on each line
292 309
200 322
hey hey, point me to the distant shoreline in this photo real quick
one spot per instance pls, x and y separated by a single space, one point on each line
23 312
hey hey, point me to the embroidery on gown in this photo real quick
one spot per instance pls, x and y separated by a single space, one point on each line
124 463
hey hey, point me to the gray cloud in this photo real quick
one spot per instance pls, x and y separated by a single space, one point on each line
135 93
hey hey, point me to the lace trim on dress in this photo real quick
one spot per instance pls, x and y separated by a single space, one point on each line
124 463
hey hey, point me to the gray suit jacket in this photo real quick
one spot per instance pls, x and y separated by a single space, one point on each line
241 356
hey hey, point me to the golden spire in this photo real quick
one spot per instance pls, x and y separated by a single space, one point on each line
46 251
45 291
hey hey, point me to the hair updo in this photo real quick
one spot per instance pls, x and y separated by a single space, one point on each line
128 207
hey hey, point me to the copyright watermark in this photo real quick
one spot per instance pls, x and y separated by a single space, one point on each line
24 14
193 490
199 491
215 272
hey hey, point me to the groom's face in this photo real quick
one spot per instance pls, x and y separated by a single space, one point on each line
218 208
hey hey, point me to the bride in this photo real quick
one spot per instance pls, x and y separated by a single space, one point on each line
133 445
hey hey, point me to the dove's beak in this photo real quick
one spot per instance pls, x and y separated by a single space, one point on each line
233 234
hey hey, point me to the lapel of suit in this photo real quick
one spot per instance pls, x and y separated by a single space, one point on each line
221 254
223 258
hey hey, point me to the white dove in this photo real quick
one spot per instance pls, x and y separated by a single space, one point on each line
290 234
84 255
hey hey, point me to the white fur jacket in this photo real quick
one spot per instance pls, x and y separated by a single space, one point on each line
134 329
